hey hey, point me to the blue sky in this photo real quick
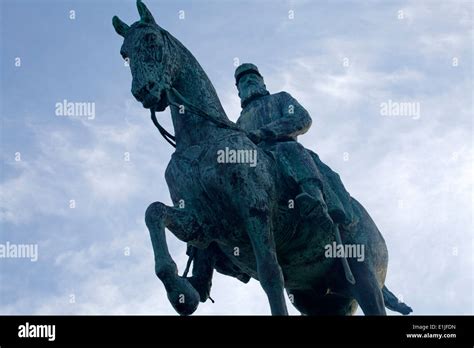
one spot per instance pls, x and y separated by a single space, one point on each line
339 59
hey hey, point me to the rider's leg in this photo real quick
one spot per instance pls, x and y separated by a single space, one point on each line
311 199
298 166
317 203
311 202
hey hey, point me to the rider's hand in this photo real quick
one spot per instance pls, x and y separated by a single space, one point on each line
255 136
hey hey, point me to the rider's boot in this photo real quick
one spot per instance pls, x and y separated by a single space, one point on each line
311 204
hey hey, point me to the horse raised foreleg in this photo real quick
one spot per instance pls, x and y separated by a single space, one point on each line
269 272
183 297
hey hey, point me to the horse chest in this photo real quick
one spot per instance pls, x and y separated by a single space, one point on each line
182 176
195 186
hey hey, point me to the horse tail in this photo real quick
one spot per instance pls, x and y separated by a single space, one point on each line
393 303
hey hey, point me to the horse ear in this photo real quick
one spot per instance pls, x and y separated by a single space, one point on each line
145 14
120 27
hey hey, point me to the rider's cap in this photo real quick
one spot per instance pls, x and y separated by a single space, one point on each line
245 68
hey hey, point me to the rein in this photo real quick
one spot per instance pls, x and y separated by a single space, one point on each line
164 133
176 99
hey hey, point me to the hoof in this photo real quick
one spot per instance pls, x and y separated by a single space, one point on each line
315 210
183 297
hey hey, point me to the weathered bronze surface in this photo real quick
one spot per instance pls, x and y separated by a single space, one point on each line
249 200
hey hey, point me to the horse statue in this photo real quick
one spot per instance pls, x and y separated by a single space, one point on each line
235 218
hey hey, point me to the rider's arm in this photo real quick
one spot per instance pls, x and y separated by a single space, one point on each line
294 121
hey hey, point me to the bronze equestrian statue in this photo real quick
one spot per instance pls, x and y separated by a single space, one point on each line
273 221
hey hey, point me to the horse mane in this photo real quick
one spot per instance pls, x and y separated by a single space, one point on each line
174 45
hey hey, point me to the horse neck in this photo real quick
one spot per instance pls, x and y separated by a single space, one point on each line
194 85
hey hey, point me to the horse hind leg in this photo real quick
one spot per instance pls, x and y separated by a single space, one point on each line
370 272
182 295
366 290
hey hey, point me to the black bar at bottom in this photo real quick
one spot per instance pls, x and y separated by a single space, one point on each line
224 330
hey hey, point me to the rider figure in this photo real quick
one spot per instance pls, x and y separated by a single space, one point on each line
274 121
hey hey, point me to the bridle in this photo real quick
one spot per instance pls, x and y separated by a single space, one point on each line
178 100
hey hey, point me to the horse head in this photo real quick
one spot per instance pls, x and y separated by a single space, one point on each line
146 49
